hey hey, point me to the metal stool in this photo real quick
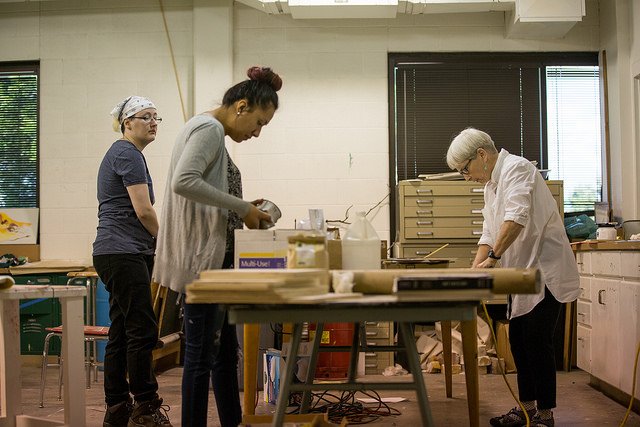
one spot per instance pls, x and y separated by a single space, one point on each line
91 335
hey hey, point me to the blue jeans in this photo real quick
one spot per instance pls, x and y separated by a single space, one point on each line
133 333
211 352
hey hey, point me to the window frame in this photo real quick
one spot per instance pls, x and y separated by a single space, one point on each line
29 67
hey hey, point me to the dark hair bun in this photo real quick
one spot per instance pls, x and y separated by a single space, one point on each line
265 75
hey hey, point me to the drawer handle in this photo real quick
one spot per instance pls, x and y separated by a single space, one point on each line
425 233
424 201
371 344
424 222
580 339
422 253
370 365
581 314
473 252
370 355
476 222
477 190
476 211
424 190
476 233
372 333
477 200
600 300
370 323
424 212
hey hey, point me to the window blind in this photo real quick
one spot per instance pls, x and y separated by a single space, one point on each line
18 136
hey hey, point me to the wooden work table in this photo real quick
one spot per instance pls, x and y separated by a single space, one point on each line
71 300
434 305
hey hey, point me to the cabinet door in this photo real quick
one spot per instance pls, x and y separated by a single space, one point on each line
628 331
605 319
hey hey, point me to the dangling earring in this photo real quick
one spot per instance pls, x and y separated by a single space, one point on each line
238 112
485 167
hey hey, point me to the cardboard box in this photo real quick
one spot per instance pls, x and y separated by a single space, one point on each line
503 347
30 251
261 248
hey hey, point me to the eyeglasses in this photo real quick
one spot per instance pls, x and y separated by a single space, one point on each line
147 119
465 169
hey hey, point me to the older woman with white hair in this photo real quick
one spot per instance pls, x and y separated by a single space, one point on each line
123 255
522 228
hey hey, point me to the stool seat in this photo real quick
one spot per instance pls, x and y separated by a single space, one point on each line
89 330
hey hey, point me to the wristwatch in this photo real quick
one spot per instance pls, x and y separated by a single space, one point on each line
492 255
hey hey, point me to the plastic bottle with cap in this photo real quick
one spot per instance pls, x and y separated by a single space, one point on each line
361 245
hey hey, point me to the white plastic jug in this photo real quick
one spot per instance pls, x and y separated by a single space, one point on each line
361 245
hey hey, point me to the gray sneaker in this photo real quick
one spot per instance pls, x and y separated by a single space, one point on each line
536 421
514 418
118 415
151 413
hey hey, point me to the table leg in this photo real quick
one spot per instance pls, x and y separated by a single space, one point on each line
414 363
73 351
311 369
445 328
470 352
287 377
10 401
251 342
354 353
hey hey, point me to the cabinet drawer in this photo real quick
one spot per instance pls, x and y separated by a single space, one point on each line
442 222
377 333
443 211
630 264
583 259
583 313
427 201
606 263
443 233
585 288
583 357
438 189
451 251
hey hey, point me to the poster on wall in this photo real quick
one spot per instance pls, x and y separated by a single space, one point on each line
18 226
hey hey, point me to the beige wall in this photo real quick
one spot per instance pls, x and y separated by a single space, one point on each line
326 147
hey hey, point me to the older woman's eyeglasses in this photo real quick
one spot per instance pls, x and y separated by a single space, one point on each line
465 169
147 119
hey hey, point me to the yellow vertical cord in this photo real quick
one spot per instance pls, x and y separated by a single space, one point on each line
173 60
633 387
500 368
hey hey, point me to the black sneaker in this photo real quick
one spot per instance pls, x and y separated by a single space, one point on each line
514 418
536 421
151 413
118 415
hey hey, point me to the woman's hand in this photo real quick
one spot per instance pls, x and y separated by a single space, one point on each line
255 215
487 263
257 202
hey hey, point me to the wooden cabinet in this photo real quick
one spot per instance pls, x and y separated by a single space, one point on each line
608 329
432 213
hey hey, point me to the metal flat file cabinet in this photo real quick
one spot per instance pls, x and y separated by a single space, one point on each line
432 213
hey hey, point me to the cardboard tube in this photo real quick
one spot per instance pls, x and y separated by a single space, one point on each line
505 280
6 282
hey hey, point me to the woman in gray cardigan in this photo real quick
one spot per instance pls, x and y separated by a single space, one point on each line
203 206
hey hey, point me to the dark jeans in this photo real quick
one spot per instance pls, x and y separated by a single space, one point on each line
133 333
531 338
211 353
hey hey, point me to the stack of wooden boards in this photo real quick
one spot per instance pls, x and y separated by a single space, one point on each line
261 286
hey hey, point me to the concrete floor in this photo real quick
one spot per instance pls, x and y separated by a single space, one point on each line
578 403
